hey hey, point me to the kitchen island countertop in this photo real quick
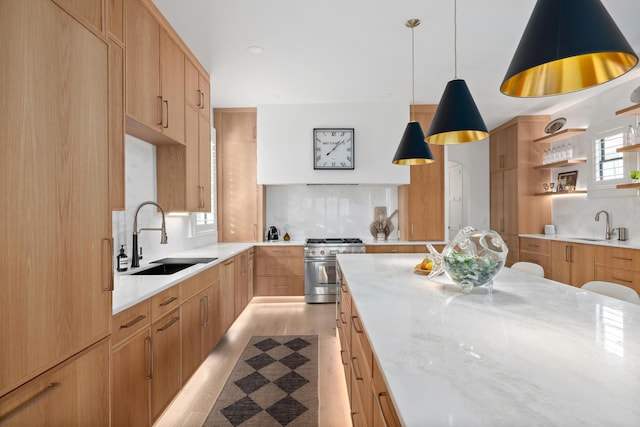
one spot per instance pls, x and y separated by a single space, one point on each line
533 352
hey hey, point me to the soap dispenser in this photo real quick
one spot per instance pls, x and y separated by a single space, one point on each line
123 259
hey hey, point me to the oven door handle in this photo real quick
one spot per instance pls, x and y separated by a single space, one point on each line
323 259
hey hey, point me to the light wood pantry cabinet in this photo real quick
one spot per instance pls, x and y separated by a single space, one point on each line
279 271
155 78
572 263
56 228
514 209
618 265
74 393
537 251
240 198
421 202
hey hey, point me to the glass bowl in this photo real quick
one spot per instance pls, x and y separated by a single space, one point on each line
473 258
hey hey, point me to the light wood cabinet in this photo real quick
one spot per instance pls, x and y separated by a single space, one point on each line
226 310
572 263
514 209
401 249
197 90
165 366
421 202
618 265
537 251
88 12
131 383
211 333
384 412
243 280
240 198
116 127
279 271
75 393
115 20
56 229
155 79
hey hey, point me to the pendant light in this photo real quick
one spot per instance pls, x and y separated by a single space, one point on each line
568 45
457 119
413 150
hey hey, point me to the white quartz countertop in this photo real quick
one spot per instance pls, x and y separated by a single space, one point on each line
130 290
589 240
534 352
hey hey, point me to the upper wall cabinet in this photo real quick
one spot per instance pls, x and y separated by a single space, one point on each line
196 90
155 79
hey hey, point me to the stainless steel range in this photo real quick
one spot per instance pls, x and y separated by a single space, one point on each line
321 280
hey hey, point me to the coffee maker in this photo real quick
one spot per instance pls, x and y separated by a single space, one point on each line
273 233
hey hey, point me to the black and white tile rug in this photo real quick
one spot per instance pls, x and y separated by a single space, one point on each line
274 383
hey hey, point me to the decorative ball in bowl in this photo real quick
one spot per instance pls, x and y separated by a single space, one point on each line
473 258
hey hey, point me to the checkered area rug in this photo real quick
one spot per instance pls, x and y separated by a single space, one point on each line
274 383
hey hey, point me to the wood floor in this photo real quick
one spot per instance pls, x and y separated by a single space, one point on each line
267 316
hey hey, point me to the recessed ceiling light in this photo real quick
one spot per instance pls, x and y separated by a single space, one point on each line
255 49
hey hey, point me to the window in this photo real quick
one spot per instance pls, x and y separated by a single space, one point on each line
608 164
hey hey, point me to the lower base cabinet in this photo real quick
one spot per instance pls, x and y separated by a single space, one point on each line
132 382
75 392
165 362
572 263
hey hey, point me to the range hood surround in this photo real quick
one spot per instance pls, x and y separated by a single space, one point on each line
285 143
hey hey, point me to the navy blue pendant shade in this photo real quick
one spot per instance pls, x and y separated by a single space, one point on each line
568 45
412 149
457 119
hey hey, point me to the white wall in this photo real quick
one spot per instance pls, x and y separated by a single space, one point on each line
575 214
285 143
140 174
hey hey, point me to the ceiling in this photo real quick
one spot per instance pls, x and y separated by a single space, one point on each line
350 51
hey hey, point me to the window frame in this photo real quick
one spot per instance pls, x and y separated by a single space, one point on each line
597 137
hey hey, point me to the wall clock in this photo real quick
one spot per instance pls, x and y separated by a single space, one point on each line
333 148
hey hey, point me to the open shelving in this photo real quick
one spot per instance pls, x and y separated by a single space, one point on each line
559 136
633 110
556 193
561 163
634 147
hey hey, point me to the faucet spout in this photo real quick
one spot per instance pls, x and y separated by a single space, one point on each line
608 231
135 258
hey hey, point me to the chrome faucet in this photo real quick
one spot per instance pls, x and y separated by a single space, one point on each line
608 232
135 259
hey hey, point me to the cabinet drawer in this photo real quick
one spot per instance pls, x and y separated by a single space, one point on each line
279 266
541 246
164 302
279 251
74 393
195 284
382 400
542 260
618 257
359 338
130 321
621 276
361 380
279 286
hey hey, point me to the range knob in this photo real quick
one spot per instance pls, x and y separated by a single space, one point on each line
322 252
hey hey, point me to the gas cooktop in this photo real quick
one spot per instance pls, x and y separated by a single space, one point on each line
334 241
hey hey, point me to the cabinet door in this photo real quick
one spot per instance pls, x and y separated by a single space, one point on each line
510 201
561 262
582 264
205 105
172 88
192 96
57 257
240 286
204 163
89 12
143 65
496 203
504 149
240 199
131 382
193 192
192 321
165 382
250 275
75 393
116 126
227 296
211 335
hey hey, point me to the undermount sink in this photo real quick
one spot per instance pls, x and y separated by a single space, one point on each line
588 239
163 269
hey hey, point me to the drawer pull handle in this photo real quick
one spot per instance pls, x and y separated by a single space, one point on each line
622 280
168 325
280 286
167 302
358 375
358 330
622 258
133 322
342 318
342 358
344 289
147 341
6 417
378 398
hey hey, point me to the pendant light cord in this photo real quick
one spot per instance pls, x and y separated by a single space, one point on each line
455 39
413 72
